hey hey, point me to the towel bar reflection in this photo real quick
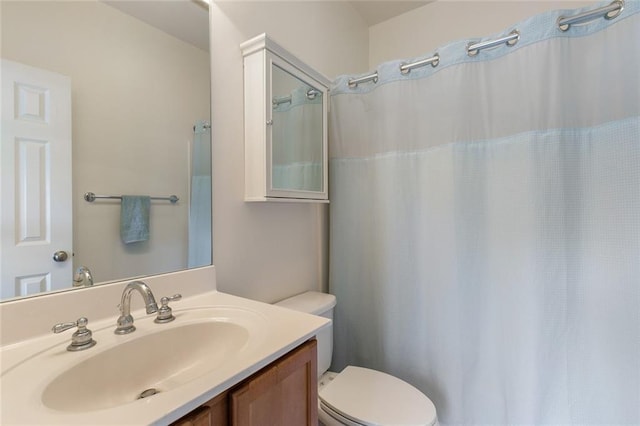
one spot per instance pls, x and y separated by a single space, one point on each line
91 197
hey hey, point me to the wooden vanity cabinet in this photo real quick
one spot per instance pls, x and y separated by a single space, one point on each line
283 393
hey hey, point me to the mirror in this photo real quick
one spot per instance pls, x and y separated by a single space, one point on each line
297 133
285 126
140 113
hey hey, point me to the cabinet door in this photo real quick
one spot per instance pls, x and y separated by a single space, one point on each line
198 417
219 410
297 134
213 413
284 393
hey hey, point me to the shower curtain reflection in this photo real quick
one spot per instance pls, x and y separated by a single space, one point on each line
200 200
297 134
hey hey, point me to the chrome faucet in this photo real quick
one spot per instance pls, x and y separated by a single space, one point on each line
125 321
82 277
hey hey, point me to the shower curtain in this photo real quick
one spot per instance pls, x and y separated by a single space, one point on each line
485 225
199 253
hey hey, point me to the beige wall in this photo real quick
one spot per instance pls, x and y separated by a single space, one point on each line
421 31
136 93
268 251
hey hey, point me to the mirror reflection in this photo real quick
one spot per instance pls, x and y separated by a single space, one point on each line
297 133
139 89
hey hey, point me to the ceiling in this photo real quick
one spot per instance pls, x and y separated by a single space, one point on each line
374 12
170 16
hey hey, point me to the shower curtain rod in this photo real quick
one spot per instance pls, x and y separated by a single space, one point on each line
607 12
204 126
474 48
283 100
310 95
371 77
434 61
611 11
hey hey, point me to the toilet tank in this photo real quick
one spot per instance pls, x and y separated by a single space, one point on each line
321 304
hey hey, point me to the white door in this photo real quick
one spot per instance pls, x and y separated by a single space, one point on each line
35 181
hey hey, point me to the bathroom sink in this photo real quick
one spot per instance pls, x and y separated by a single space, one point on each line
155 359
216 341
154 363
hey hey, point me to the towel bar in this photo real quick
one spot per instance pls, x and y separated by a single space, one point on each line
91 197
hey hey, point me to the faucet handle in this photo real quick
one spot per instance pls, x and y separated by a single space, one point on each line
164 312
80 340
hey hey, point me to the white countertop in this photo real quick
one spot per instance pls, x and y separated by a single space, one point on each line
21 389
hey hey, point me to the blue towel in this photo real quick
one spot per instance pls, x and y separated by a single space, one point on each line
134 218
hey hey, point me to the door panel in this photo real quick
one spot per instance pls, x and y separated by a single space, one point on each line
35 180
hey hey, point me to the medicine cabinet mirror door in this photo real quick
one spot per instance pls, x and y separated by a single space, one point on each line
296 133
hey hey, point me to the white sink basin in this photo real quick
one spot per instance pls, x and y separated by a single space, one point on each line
216 341
156 358
156 362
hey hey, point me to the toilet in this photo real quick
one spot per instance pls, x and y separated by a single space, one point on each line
359 396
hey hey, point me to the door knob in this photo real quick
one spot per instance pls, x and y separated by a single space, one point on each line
60 256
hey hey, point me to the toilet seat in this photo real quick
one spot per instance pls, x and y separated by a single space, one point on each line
361 396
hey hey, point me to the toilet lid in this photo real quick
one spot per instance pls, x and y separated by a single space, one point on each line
370 397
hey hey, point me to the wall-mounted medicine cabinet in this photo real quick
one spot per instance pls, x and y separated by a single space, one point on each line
285 125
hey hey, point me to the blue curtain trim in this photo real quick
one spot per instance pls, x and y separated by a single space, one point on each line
533 30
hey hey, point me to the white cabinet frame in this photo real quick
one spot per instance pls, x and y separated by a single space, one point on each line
260 55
